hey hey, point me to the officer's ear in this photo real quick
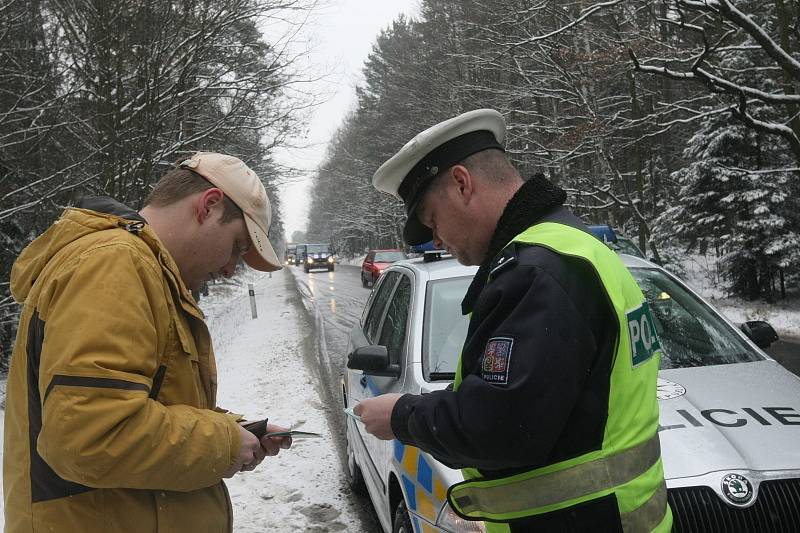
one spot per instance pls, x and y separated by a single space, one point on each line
463 181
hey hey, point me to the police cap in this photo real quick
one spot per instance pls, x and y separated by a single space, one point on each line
408 173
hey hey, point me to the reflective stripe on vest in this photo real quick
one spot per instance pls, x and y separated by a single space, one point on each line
628 464
649 515
482 499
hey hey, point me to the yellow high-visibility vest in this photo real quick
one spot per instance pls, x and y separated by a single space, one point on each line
629 462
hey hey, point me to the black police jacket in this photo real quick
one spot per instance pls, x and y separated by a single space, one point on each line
551 402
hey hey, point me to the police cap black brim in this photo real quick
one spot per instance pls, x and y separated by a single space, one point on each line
415 232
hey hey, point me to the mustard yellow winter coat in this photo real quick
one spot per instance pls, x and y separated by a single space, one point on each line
110 423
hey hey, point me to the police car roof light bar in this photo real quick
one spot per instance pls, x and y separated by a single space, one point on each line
435 255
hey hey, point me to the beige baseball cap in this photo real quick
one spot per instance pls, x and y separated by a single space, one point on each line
242 186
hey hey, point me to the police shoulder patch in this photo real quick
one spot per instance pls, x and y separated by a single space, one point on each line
496 360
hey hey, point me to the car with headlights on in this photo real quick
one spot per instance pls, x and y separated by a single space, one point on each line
729 414
318 256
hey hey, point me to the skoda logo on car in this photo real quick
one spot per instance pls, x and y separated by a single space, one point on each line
668 389
737 488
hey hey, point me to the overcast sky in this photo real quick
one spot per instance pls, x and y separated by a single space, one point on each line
341 35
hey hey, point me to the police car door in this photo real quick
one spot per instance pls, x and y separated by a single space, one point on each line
361 385
392 335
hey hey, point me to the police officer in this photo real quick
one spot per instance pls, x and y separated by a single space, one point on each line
553 415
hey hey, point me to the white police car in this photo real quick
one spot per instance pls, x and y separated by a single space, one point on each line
730 415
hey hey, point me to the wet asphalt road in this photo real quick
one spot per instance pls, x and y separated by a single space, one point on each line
787 352
340 298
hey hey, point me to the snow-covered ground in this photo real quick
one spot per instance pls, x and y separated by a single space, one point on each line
700 273
262 372
354 261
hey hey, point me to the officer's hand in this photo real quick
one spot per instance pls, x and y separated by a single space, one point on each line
250 454
376 415
272 445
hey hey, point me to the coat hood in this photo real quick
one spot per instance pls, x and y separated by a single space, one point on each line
90 216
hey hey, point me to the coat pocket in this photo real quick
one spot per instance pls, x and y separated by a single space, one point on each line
179 370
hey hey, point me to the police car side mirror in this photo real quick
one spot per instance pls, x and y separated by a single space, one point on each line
760 332
373 360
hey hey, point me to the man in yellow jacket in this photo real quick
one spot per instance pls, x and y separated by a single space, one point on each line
111 421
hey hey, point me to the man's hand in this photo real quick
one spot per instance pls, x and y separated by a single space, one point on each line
376 415
251 453
272 445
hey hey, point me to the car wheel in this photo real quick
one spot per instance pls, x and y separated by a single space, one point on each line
330 268
402 521
306 269
363 281
355 479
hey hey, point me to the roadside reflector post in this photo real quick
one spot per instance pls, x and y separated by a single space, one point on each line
252 292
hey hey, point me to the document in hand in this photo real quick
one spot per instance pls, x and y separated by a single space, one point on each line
349 412
295 434
259 429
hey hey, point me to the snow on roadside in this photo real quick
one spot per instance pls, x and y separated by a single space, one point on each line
700 273
354 261
262 373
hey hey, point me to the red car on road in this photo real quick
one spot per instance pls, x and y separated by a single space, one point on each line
376 262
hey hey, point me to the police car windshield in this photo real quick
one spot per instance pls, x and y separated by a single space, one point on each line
445 327
626 246
691 333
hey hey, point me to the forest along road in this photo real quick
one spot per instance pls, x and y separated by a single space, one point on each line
334 301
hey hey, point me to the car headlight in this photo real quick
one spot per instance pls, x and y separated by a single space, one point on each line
309 260
450 521
330 259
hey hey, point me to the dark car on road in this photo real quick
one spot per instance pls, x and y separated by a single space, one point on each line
376 262
318 256
300 254
290 254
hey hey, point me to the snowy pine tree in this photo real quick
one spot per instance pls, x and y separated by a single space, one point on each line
749 217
